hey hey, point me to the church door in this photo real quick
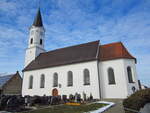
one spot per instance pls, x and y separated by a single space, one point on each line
55 92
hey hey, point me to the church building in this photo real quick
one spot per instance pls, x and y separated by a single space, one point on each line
103 71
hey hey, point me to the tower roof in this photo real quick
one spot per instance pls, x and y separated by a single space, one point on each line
38 19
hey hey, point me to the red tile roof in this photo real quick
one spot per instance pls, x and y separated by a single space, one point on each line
114 51
63 56
80 53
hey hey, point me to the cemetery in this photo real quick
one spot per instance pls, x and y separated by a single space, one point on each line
34 103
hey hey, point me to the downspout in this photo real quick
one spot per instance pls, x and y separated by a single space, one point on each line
99 79
97 57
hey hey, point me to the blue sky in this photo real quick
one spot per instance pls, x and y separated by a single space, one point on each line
70 22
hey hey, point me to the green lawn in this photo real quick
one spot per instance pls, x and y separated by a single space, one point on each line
69 109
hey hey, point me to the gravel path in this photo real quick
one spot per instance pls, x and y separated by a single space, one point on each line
118 108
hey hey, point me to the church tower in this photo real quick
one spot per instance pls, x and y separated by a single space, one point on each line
36 39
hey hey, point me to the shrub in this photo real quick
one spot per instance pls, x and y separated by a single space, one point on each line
64 98
3 102
137 100
55 100
71 97
91 96
36 99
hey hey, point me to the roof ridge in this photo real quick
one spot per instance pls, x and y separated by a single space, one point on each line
98 52
125 50
119 42
70 46
122 49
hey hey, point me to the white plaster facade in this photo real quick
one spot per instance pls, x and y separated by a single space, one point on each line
77 87
122 88
131 63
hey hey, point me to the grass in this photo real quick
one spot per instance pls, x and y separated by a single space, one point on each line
70 109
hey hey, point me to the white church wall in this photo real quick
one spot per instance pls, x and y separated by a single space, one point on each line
131 63
78 86
118 90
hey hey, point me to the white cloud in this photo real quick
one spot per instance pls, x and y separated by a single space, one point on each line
68 23
8 7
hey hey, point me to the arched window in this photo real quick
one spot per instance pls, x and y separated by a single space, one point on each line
130 77
86 77
31 82
111 76
70 78
42 81
41 41
31 41
55 80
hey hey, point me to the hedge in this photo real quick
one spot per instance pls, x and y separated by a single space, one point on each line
137 100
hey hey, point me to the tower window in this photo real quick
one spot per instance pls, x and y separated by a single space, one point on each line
40 41
31 41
